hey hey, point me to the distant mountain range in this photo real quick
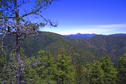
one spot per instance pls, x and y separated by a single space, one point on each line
118 34
78 35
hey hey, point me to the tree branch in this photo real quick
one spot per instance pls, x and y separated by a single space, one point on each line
47 21
8 17
42 17
33 12
2 43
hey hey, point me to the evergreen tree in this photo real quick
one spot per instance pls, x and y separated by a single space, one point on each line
65 73
122 70
30 75
3 66
47 67
110 72
96 74
8 73
80 74
13 21
28 69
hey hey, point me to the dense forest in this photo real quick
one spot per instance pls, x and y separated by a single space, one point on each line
86 50
57 59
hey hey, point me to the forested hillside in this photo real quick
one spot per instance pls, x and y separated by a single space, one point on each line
112 45
82 50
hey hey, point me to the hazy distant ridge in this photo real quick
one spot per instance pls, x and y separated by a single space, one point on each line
78 35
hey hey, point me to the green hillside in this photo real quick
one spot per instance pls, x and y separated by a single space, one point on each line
86 50
112 45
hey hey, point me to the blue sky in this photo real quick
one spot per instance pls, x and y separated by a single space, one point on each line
87 16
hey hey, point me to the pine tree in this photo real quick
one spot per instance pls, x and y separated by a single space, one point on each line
30 75
110 72
47 67
65 73
96 74
122 70
13 21
28 69
80 74
3 66
9 69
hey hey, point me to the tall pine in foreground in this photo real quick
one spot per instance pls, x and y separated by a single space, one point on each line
13 21
3 66
9 68
96 74
65 73
80 74
30 75
110 72
46 67
103 72
122 70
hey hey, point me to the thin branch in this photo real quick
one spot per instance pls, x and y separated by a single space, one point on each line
2 43
47 21
33 12
8 17
42 17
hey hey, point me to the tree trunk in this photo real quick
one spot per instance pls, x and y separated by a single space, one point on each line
17 43
48 82
62 80
2 43
18 59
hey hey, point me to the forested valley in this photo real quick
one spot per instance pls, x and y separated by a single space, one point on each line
51 58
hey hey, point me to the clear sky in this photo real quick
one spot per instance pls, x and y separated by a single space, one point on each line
87 16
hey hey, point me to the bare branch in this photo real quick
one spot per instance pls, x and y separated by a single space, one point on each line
8 17
47 21
33 12
2 43
42 17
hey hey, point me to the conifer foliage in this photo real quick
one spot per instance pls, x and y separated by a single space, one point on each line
110 72
96 74
65 70
13 22
122 70
103 72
